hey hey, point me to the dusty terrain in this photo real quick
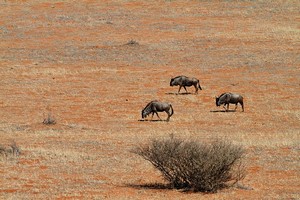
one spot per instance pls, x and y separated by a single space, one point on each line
94 65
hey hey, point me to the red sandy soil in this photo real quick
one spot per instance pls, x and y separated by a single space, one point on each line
72 59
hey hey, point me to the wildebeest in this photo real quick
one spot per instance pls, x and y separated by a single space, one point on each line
227 98
156 106
184 81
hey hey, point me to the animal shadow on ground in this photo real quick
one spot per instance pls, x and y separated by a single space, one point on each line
175 93
153 120
151 186
157 186
223 111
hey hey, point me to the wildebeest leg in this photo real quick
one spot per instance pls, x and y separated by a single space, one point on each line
152 116
224 106
235 106
185 89
158 116
169 115
168 119
242 104
196 88
179 89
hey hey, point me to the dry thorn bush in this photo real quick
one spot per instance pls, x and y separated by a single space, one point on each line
195 166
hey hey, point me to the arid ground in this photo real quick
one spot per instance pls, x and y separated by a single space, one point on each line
94 65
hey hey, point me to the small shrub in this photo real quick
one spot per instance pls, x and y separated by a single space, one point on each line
12 150
193 165
15 150
2 151
49 120
132 42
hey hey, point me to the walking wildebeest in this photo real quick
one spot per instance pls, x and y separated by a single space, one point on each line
227 98
184 81
156 106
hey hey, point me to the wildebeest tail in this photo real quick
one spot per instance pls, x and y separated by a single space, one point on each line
172 110
199 85
242 103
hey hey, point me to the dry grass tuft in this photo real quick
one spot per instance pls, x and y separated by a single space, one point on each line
12 150
132 42
49 120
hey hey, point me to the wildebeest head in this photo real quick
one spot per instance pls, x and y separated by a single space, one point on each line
217 101
148 109
177 80
171 82
223 99
144 115
145 112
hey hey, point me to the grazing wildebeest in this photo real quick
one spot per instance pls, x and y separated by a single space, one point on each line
227 98
156 106
184 81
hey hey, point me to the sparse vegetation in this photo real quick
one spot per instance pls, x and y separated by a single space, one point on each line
132 42
63 58
193 165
